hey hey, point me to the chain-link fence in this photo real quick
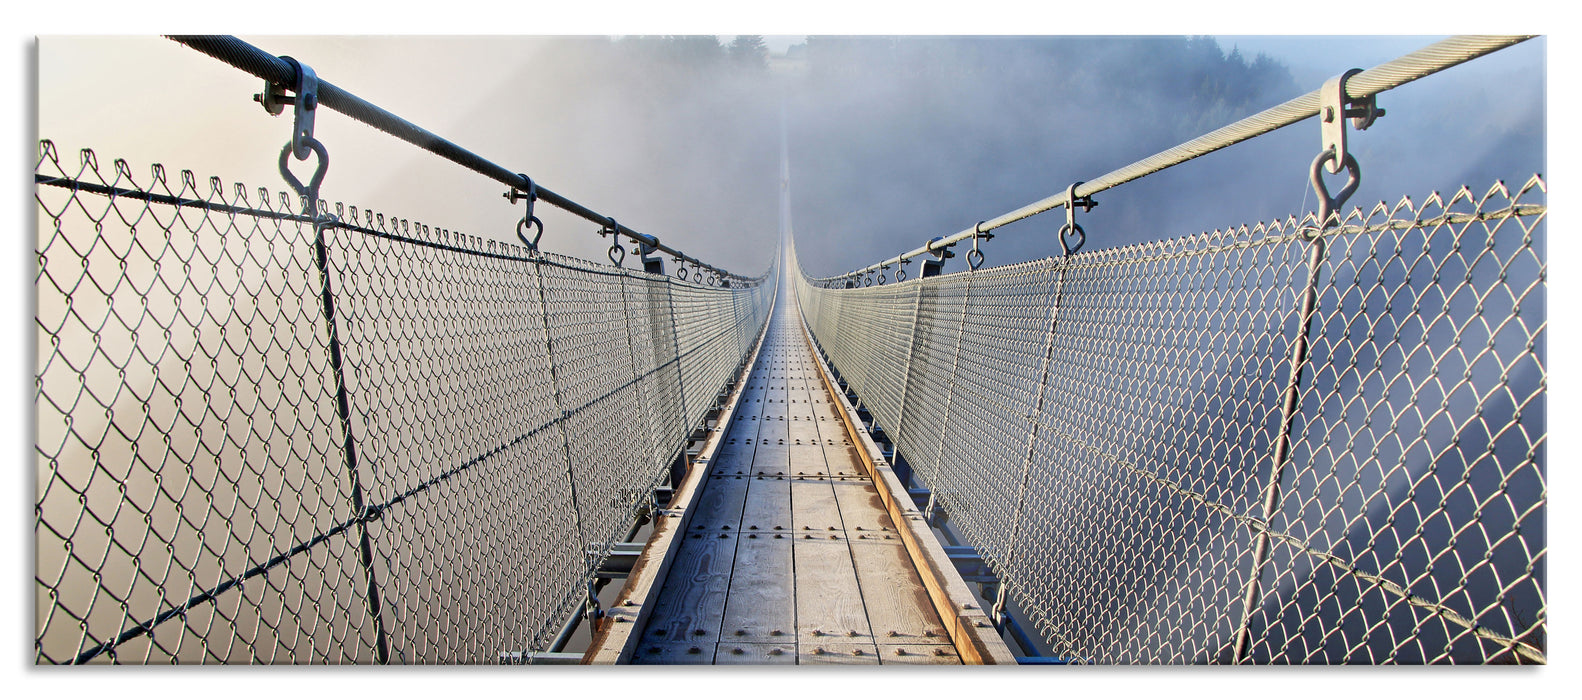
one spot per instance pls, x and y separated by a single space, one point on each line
266 439
1104 428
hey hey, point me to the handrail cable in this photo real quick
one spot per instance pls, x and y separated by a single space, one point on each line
1385 76
251 59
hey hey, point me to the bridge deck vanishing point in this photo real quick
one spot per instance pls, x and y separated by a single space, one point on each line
789 554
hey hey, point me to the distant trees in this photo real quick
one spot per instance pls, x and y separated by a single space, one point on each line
748 51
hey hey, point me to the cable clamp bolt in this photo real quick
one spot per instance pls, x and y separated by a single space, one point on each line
305 104
1334 108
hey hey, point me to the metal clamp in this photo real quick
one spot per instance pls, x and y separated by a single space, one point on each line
1334 107
940 253
900 270
304 103
1072 231
651 264
531 195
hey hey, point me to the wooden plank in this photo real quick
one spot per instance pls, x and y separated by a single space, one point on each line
814 510
899 608
862 510
773 460
673 654
802 431
843 459
744 430
731 458
970 631
616 638
761 606
691 606
733 654
720 503
829 605
837 654
771 428
917 655
768 505
806 459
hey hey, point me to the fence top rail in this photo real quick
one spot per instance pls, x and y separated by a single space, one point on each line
1385 76
253 60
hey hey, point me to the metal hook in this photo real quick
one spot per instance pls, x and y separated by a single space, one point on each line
531 195
1328 205
1072 231
975 256
310 192
617 254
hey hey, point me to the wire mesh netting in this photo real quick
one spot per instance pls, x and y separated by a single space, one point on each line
1102 428
268 438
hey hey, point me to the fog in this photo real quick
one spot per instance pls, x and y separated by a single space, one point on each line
892 141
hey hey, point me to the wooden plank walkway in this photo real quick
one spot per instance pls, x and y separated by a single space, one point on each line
790 556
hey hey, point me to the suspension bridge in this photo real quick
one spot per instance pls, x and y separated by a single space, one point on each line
275 430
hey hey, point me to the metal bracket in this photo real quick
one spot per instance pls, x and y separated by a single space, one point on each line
1334 108
940 254
305 104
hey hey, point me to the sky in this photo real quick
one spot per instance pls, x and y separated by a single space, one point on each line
175 106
